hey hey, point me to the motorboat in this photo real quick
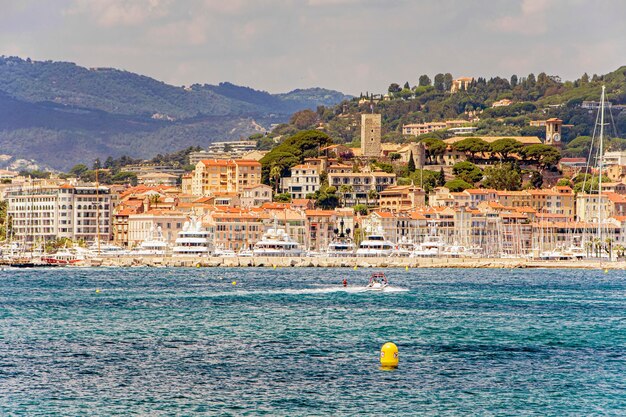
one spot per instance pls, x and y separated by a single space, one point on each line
378 282
245 253
64 257
193 240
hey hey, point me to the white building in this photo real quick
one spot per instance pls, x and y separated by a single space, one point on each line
615 158
359 184
256 195
305 179
43 214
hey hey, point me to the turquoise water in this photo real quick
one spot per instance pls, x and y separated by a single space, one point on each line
293 342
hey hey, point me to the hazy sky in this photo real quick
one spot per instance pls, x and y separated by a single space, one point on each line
348 45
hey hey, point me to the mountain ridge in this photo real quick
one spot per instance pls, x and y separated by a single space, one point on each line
122 111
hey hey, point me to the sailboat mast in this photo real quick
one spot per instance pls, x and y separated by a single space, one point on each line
600 165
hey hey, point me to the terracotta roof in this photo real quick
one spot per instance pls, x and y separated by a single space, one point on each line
66 186
384 214
319 212
305 166
249 162
217 162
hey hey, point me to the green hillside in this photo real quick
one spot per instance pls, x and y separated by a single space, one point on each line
534 98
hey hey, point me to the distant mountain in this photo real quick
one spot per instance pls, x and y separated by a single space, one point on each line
59 113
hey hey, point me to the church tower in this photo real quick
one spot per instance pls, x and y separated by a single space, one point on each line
370 135
553 132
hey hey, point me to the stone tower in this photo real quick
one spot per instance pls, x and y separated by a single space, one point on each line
553 131
370 135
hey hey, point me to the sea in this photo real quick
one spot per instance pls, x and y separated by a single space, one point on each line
295 342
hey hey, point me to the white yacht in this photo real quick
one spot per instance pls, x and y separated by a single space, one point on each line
276 242
193 240
375 245
224 253
154 245
339 248
404 247
245 253
107 249
432 246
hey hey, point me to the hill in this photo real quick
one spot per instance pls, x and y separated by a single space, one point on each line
60 113
533 98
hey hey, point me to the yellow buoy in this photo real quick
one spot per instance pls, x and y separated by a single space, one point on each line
234 282
606 270
197 265
97 290
406 268
355 267
274 266
389 355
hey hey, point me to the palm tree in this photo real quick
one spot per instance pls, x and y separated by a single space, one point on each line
343 190
372 194
275 173
608 246
154 199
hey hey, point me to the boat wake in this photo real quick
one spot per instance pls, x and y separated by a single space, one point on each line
304 291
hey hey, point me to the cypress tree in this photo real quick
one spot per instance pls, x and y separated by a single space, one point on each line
411 164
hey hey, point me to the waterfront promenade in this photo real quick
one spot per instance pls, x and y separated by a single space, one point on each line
348 262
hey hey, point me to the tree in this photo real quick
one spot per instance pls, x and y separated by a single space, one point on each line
394 88
327 198
439 82
78 170
564 182
513 81
344 190
502 177
467 172
394 156
360 209
282 197
442 177
292 151
411 163
304 119
447 81
584 79
275 174
407 86
536 179
435 148
424 80
472 146
544 156
505 147
457 185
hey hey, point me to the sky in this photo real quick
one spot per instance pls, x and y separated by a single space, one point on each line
352 46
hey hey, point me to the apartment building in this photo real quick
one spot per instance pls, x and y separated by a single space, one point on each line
305 179
359 185
224 175
143 226
48 213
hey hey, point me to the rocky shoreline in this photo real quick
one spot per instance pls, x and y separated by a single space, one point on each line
345 262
